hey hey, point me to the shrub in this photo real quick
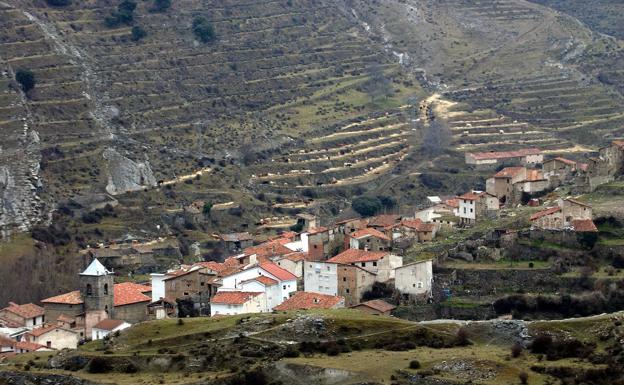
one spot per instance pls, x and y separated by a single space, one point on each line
414 364
26 79
99 365
161 5
462 337
366 206
138 33
291 352
180 321
203 30
59 3
541 344
524 378
516 350
123 15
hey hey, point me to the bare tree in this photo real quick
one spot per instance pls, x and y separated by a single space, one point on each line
437 137
378 85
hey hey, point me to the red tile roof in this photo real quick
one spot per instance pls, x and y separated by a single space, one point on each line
418 225
534 176
546 212
278 272
128 293
379 305
584 226
71 298
563 160
296 256
268 249
369 232
355 255
317 230
509 172
227 267
29 346
583 166
28 310
384 220
506 154
302 300
233 297
472 196
7 342
263 280
43 330
109 324
453 202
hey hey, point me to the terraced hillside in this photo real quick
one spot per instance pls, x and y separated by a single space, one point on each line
167 103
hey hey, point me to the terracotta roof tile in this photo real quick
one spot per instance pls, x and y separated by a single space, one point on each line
577 202
28 310
263 280
509 172
278 272
546 212
268 249
43 330
29 346
109 324
453 202
584 226
128 293
296 257
317 230
234 297
369 232
379 305
71 298
355 255
302 300
563 160
4 341
418 225
384 220
472 196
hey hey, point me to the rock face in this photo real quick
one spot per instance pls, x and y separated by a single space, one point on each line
125 175
14 378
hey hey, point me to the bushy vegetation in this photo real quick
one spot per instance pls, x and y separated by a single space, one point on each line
123 15
54 235
26 79
556 349
378 290
58 3
160 5
204 30
138 33
369 206
97 215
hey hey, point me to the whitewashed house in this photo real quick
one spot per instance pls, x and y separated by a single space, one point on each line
415 280
237 302
106 327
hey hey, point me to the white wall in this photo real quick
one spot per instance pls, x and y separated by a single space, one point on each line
158 286
34 322
465 207
415 278
320 277
98 334
254 305
60 339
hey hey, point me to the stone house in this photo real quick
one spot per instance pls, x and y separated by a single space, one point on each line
193 282
292 262
384 221
302 300
415 229
380 263
369 239
529 156
415 280
130 302
235 242
477 205
605 168
561 167
535 182
501 184
106 327
548 219
333 279
53 337
307 221
320 243
237 302
563 215
375 307
574 209
28 315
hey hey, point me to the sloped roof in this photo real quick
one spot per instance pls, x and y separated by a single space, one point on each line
509 172
278 272
95 269
546 212
268 249
236 237
384 220
318 230
43 330
266 281
302 300
471 196
29 346
505 154
418 225
378 304
28 310
534 176
128 293
355 255
109 324
227 267
71 298
562 160
7 341
234 297
369 232
577 202
452 202
296 256
584 226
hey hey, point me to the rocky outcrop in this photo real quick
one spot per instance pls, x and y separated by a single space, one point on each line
21 378
125 175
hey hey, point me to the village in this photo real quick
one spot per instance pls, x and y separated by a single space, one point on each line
320 266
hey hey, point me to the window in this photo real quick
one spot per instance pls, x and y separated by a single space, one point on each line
203 283
49 344
284 287
328 268
464 210
347 291
89 289
316 246
413 285
186 293
420 285
363 264
344 279
374 263
471 210
106 289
